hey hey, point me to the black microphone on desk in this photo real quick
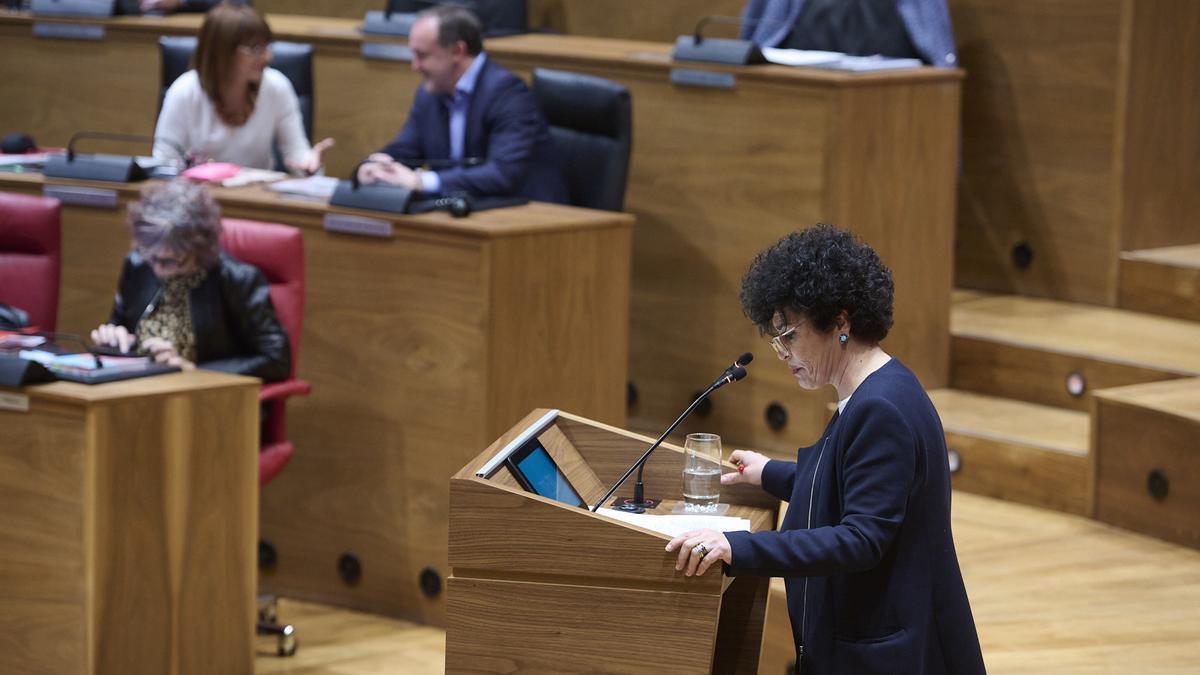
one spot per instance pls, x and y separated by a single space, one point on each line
696 47
111 168
639 503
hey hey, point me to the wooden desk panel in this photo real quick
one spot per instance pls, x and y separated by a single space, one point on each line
130 526
420 348
660 20
1079 138
717 175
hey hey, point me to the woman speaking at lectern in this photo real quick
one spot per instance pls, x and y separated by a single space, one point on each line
865 550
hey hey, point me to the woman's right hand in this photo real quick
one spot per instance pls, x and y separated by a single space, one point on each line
752 463
109 335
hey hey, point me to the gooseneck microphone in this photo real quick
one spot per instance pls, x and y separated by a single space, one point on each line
639 503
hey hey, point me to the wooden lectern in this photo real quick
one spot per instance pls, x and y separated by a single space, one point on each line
537 585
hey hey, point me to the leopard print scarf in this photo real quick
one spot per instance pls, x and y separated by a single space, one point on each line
171 318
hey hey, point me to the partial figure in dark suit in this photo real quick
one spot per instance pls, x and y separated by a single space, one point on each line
899 28
865 550
184 301
474 127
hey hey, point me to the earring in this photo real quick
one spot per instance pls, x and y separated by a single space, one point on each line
843 338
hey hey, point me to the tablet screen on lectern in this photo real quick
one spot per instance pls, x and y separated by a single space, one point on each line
536 471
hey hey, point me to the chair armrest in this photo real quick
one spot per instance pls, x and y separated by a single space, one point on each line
276 391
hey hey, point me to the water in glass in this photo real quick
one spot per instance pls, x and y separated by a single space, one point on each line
702 472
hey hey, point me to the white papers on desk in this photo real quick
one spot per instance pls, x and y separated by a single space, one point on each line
800 57
868 63
320 187
25 159
835 60
675 525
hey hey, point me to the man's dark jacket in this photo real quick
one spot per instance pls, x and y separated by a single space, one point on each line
507 148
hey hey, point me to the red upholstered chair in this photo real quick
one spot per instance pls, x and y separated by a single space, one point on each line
30 241
278 252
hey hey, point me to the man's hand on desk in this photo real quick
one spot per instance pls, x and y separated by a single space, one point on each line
381 168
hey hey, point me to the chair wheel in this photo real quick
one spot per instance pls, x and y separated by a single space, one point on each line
287 643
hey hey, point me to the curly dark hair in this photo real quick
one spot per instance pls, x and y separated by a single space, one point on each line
819 272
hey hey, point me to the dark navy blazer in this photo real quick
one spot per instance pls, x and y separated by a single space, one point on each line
873 585
505 132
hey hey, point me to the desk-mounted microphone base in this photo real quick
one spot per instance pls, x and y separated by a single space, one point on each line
717 50
631 505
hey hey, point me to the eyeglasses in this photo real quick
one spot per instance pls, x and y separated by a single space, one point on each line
254 50
777 342
165 263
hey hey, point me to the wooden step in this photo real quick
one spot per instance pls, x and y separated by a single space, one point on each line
1162 281
1032 349
1021 452
1146 459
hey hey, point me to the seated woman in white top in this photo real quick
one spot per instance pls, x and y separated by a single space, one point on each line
231 107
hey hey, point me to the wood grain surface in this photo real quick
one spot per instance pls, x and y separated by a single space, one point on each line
131 527
1164 281
1142 429
421 347
716 175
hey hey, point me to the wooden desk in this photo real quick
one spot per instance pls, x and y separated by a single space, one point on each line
627 19
716 175
540 586
128 521
421 347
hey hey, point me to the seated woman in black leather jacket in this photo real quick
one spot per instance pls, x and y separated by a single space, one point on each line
184 301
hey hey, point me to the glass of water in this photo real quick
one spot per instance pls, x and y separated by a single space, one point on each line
702 473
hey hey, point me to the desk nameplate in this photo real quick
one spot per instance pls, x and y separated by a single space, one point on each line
69 31
689 77
360 225
386 51
97 198
13 401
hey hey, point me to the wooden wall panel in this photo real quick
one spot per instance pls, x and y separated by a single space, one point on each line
893 153
660 21
1162 127
44 85
1041 105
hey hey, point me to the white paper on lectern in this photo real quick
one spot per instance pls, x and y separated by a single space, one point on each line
675 525
800 57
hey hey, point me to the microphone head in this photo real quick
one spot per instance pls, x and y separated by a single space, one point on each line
737 373
744 359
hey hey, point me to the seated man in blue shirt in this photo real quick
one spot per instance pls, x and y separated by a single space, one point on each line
474 123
